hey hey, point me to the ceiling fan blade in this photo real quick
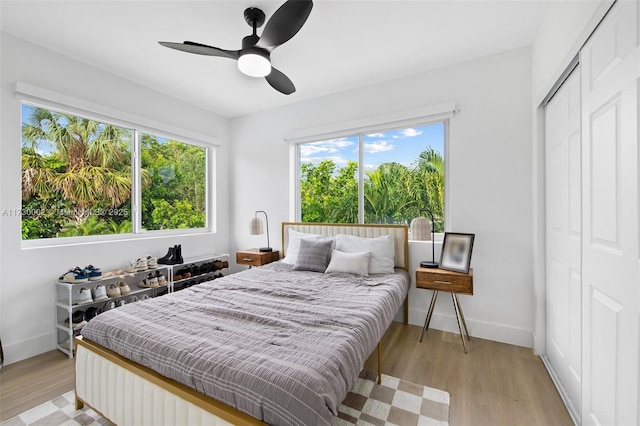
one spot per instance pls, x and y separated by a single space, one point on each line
285 23
201 49
280 82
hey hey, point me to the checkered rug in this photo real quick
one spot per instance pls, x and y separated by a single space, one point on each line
394 402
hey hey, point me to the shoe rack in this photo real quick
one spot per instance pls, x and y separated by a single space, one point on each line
65 293
200 269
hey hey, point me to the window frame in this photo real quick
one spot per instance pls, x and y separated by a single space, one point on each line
445 119
43 98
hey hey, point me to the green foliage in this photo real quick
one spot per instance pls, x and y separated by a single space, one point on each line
393 193
179 215
178 177
327 196
77 178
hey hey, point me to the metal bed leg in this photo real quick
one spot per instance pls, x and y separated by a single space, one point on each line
379 363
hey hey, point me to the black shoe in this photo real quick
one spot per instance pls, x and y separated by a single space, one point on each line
177 254
168 258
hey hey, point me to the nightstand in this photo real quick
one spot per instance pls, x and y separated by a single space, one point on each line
437 279
255 257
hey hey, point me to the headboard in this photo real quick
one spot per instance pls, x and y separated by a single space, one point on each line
399 233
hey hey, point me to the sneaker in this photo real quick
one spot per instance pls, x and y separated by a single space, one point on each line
132 266
78 320
124 288
108 306
161 279
83 296
94 273
121 302
141 265
146 283
66 344
135 299
113 291
152 262
92 312
144 297
76 275
100 293
152 280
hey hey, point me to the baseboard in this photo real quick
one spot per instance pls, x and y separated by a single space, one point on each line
481 329
563 394
28 348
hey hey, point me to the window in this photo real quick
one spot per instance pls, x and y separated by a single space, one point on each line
173 184
81 177
382 177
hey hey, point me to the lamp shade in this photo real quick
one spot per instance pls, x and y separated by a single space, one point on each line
256 227
420 229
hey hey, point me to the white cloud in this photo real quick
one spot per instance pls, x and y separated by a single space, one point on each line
331 146
380 146
337 160
376 135
410 132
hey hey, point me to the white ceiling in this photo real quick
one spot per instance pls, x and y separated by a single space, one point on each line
344 44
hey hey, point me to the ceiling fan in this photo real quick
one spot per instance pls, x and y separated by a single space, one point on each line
254 59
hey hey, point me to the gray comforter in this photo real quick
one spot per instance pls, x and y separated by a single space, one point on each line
283 346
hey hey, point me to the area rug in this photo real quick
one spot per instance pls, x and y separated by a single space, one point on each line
394 402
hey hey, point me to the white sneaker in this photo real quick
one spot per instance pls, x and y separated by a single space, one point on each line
121 302
100 293
124 288
132 266
113 291
152 262
83 296
66 344
161 280
141 265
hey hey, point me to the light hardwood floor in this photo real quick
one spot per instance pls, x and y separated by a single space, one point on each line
495 384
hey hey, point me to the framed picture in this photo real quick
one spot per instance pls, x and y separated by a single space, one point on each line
456 252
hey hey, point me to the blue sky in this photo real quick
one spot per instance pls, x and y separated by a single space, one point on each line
401 146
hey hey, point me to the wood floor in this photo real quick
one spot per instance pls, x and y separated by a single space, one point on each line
495 384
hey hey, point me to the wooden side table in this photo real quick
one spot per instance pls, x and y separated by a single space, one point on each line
255 257
437 279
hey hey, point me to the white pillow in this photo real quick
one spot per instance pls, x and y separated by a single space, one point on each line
352 263
293 246
381 248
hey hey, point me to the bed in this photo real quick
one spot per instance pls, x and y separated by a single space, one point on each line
279 344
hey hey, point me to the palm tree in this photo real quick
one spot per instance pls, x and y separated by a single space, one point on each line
89 163
427 186
386 194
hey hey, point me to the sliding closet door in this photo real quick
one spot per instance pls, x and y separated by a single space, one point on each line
610 249
563 207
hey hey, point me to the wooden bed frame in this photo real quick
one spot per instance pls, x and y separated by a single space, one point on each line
125 392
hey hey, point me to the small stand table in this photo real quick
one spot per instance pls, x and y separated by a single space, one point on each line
255 257
437 279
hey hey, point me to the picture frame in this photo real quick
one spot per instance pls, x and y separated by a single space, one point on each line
456 252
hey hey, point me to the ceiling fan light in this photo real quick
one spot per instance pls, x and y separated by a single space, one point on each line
254 65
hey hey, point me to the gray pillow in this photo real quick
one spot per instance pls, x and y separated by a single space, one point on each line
313 255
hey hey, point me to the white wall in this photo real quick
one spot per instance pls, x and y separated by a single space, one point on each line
27 276
490 179
563 30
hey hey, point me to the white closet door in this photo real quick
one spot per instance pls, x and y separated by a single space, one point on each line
563 207
610 64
